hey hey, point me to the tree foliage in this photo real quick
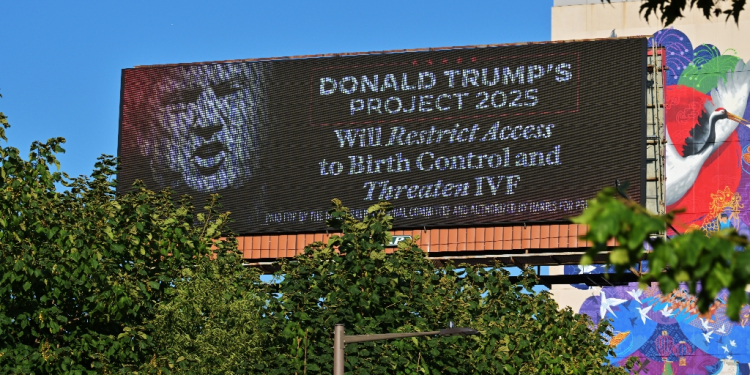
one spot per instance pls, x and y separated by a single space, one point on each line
83 271
352 281
708 264
671 10
93 282
210 326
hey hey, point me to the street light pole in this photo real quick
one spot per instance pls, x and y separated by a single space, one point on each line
340 340
338 350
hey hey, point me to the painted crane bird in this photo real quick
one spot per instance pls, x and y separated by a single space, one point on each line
715 124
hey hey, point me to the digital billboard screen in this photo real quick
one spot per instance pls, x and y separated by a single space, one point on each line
456 136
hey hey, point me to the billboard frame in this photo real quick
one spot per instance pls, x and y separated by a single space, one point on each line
643 126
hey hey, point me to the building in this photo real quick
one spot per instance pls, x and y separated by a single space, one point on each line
666 330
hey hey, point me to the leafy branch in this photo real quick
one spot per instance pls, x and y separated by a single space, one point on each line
671 10
706 263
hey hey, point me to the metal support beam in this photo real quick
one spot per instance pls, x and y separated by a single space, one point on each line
340 339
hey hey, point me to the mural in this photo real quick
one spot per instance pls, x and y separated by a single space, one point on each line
708 175
667 333
708 138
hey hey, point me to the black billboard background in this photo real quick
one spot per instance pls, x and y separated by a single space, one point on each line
592 92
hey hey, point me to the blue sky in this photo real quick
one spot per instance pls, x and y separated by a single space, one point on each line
60 62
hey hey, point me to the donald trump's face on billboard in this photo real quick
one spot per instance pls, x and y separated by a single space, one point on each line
210 120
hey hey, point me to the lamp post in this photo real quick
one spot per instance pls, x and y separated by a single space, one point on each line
340 340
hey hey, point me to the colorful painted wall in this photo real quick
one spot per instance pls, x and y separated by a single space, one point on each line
708 154
708 175
668 335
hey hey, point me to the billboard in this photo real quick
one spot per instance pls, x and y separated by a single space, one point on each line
456 136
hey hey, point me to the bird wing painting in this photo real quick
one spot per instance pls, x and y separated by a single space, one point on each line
707 127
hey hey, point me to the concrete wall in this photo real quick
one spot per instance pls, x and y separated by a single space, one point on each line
583 19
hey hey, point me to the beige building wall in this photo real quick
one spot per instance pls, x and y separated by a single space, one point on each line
584 19
566 295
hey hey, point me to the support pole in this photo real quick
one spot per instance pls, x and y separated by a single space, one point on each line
338 350
340 340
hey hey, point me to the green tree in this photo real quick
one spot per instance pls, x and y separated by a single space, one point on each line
351 280
83 271
210 326
99 283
